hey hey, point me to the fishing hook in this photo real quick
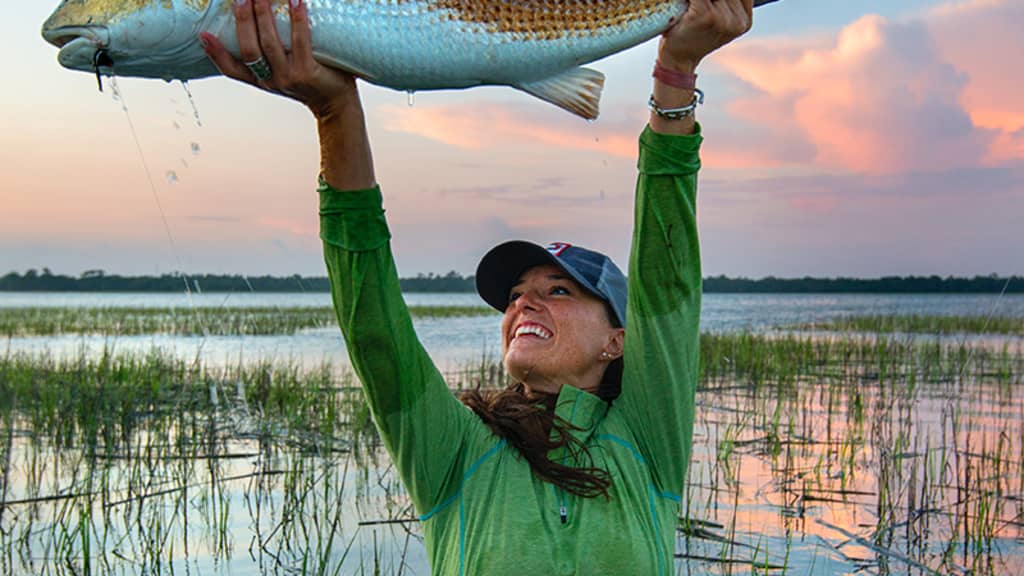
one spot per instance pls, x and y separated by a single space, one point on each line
101 58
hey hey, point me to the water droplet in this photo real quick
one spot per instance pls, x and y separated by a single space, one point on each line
411 94
176 125
172 177
115 92
195 110
195 148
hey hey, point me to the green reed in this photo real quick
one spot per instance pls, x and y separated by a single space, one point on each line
924 324
137 462
203 321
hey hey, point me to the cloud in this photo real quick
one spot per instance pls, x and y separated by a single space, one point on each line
878 98
481 125
543 192
982 39
292 226
216 219
957 221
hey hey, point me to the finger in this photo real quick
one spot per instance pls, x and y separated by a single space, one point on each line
699 8
223 60
302 43
732 12
270 43
734 17
742 11
245 28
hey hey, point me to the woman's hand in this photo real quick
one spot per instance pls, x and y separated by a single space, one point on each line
706 26
346 161
294 73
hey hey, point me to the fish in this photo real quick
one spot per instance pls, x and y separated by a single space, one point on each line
538 46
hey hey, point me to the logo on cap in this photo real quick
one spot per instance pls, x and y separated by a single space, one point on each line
557 248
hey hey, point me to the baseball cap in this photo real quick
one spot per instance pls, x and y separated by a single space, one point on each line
503 265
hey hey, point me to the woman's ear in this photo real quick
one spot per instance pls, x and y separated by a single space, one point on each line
615 344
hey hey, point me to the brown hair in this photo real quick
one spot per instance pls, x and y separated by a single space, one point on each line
526 422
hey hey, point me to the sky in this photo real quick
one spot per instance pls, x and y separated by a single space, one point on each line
848 138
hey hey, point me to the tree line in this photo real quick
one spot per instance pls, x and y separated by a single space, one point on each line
99 281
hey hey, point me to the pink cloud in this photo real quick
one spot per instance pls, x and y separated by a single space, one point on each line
982 39
480 126
291 226
477 126
879 98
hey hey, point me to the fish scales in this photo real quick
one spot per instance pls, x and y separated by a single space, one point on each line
551 19
537 46
447 44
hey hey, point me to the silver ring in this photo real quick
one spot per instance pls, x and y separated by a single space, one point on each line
260 69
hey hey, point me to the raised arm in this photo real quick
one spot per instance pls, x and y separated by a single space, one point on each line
421 423
663 317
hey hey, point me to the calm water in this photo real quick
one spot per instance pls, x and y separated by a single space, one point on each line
812 477
453 342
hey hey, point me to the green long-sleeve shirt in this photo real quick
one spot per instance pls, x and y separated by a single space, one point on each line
482 509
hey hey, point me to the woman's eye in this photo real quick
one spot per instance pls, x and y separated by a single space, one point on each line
561 290
513 297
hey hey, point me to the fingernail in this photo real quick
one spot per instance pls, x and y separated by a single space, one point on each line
204 40
296 3
239 3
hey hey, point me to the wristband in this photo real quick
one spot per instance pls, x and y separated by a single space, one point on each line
680 80
677 113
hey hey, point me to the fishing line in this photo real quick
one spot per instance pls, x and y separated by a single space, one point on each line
163 215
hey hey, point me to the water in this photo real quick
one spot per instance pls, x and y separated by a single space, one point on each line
192 102
841 470
455 341
817 473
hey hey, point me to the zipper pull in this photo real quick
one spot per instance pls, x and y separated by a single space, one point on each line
563 513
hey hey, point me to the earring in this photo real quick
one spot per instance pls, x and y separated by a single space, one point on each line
605 355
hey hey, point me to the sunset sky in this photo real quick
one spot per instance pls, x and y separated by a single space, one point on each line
856 138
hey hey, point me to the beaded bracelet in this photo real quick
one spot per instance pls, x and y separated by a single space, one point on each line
677 113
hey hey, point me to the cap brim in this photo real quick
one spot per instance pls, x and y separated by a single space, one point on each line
501 268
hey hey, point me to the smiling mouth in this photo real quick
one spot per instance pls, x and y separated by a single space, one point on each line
532 330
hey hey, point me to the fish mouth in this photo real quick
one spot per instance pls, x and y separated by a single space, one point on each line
78 45
99 36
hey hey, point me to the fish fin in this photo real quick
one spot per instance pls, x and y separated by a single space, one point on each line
346 66
577 90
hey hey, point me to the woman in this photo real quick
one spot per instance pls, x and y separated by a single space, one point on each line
578 468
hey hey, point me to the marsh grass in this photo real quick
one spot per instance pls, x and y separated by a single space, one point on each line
899 455
916 324
812 454
21 322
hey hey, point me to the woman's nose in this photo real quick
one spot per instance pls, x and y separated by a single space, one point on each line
528 299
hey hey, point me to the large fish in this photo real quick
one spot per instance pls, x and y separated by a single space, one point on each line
537 46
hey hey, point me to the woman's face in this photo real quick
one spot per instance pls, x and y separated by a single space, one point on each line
555 333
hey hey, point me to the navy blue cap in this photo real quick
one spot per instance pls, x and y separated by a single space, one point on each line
502 267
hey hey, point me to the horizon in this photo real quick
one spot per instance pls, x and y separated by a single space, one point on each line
90 273
865 140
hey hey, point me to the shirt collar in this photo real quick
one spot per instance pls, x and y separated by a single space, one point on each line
583 411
